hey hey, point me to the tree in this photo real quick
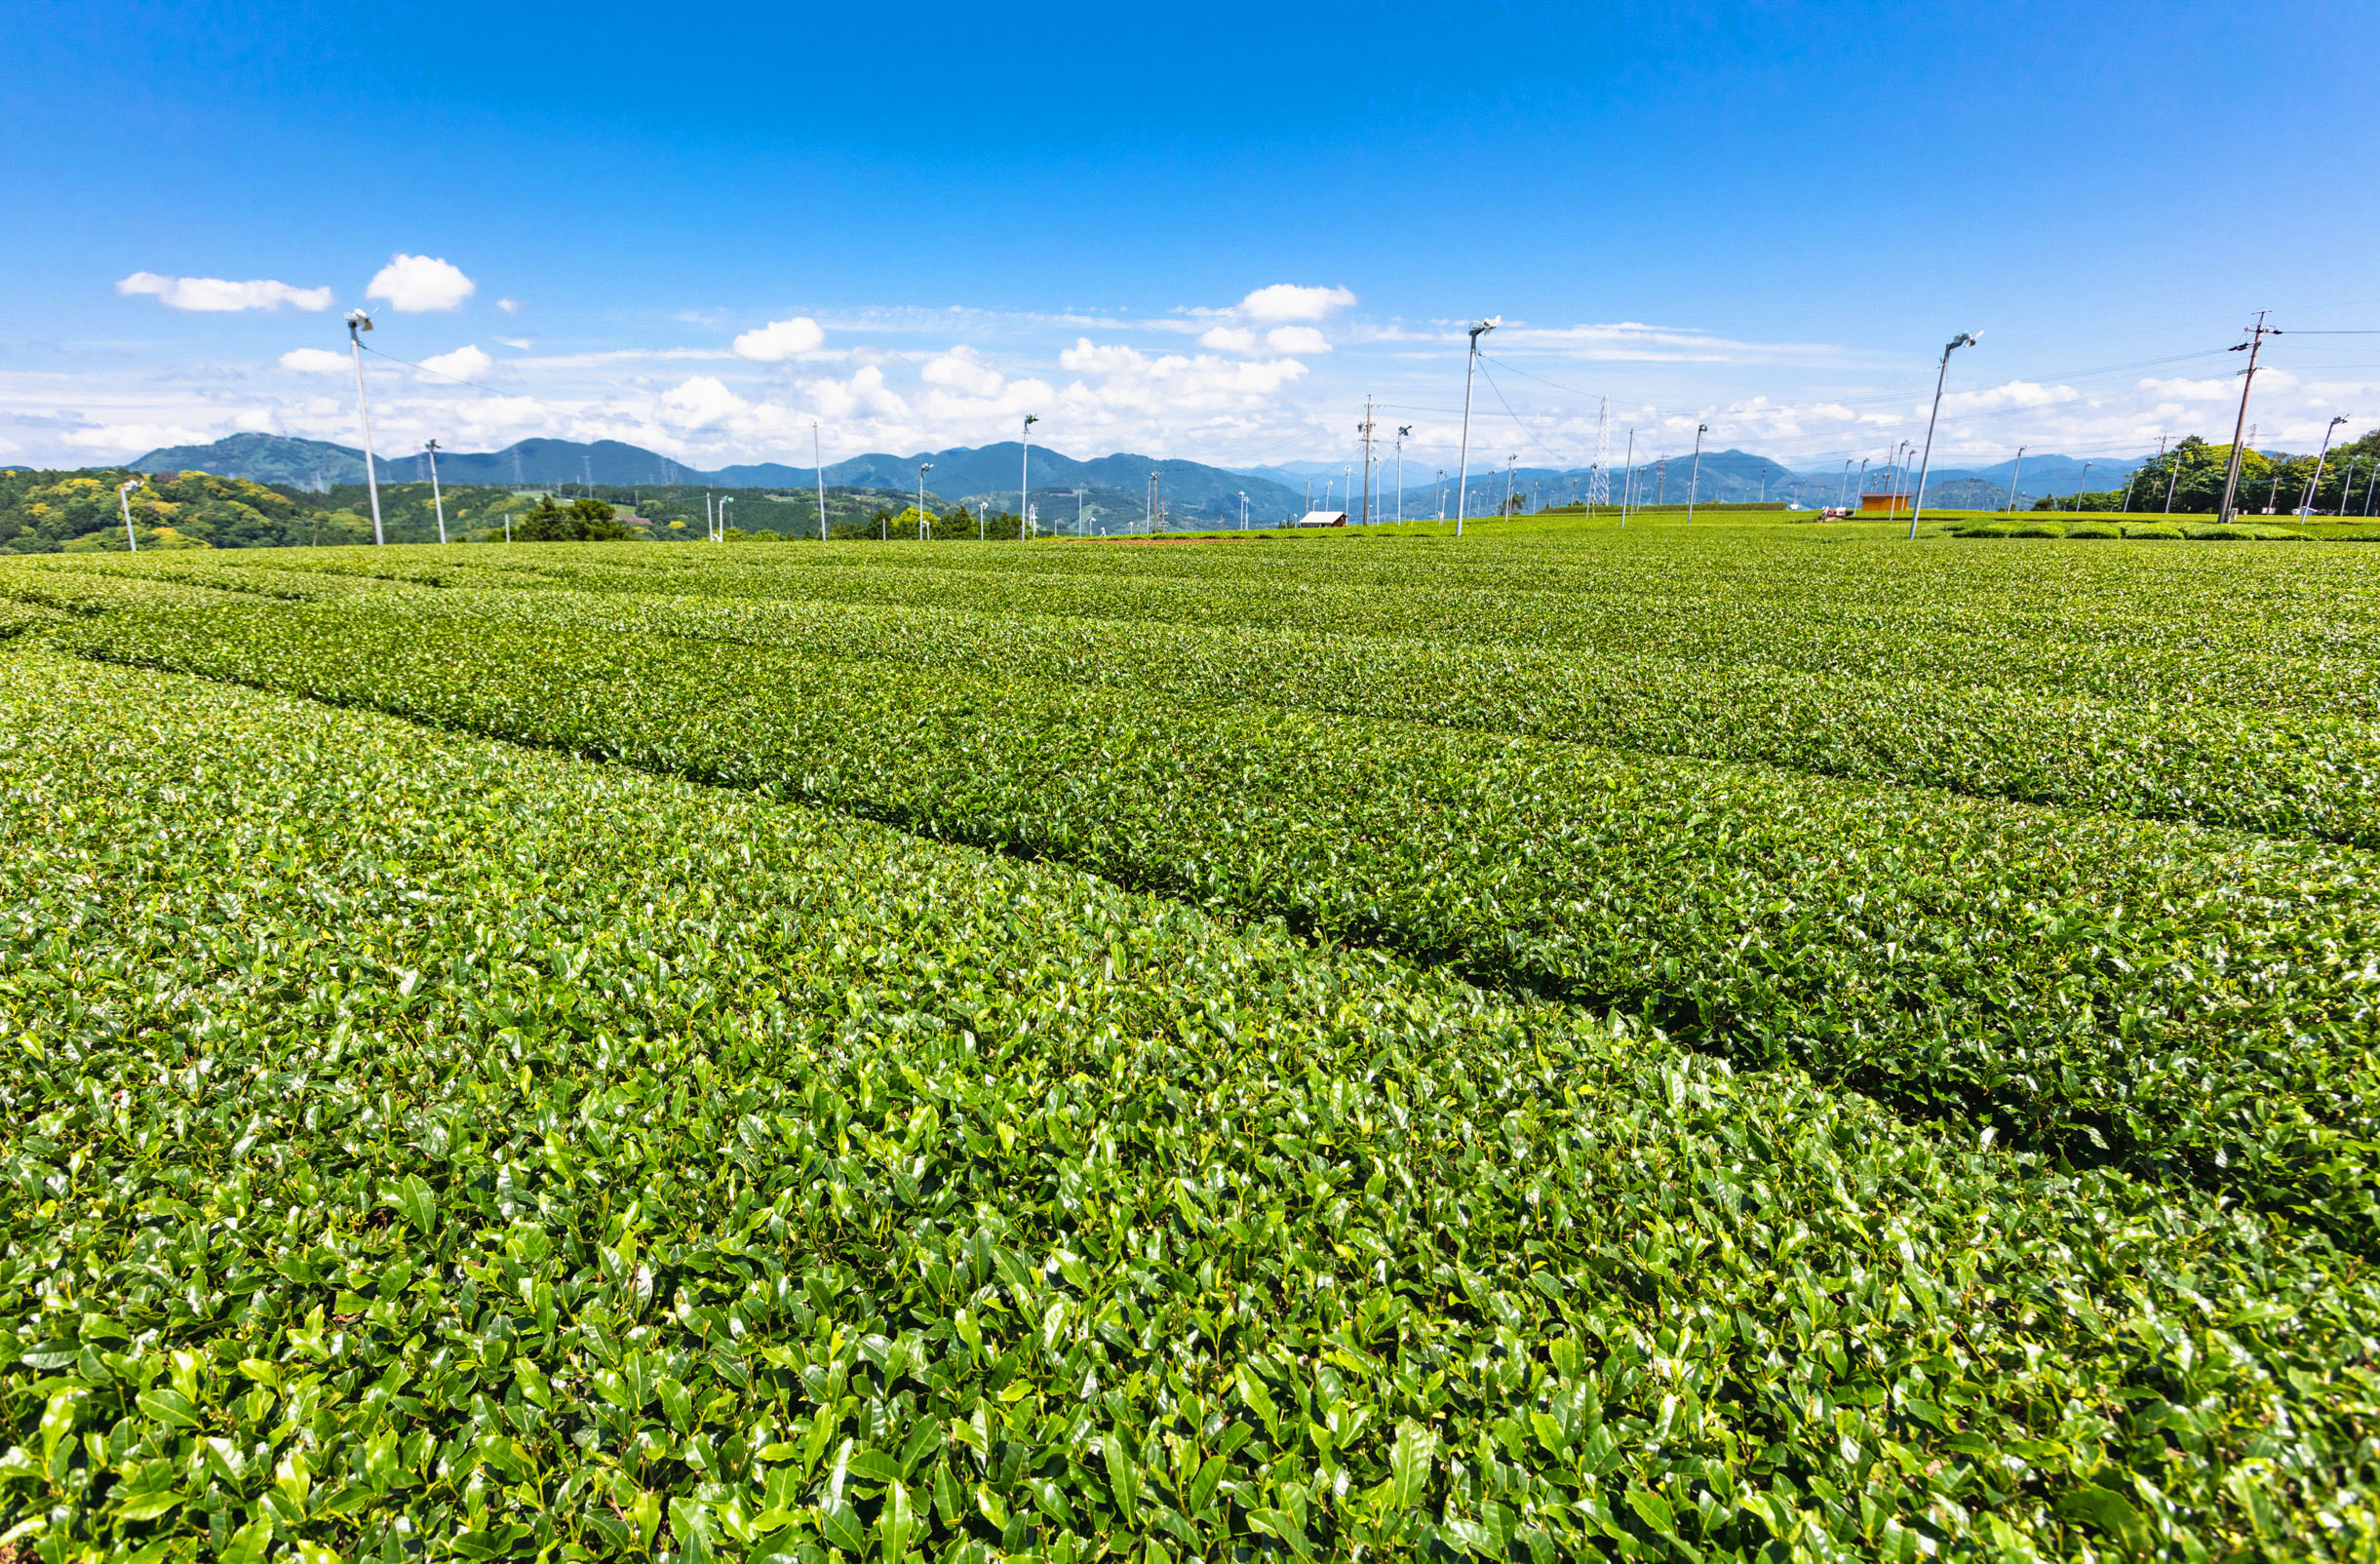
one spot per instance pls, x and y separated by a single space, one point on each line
581 521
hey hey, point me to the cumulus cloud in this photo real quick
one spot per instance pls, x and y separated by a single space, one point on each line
466 363
1230 340
413 284
702 399
1287 302
214 293
2011 394
965 372
314 361
1295 339
780 340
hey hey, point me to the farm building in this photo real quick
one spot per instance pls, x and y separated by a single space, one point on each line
1323 518
1884 502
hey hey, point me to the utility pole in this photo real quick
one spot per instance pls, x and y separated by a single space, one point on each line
923 468
710 522
2254 346
1508 462
2016 473
2314 485
358 323
1843 490
820 458
724 501
2079 485
1917 502
124 503
1462 469
437 504
1441 494
1660 491
2126 508
2174 476
1695 483
1025 476
1078 494
1243 510
1402 430
980 523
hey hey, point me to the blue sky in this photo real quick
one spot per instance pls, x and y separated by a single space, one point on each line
1206 233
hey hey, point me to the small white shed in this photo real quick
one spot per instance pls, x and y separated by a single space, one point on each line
1323 518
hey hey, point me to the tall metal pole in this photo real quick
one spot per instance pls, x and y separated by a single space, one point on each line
1508 462
819 457
2255 345
923 468
358 323
2314 485
2079 485
1917 502
710 522
1694 483
2174 476
1025 476
1367 461
1402 430
725 501
435 503
2018 471
124 503
1462 478
1627 477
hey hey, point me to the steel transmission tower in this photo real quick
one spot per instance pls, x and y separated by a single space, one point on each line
1599 481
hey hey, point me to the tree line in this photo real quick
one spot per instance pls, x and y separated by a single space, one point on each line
2193 474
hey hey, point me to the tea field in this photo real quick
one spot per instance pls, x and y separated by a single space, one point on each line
1673 1046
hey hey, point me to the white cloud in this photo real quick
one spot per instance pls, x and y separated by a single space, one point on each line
314 361
1295 339
521 342
214 293
2179 390
413 284
702 399
466 363
1633 341
1230 340
1287 302
2012 394
510 306
964 371
780 340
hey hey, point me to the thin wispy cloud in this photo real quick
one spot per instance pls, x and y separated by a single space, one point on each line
217 294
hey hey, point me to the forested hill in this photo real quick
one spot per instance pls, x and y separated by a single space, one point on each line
961 474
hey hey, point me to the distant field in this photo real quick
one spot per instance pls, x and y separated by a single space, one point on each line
1740 1041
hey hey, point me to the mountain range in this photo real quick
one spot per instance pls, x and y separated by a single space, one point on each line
1116 488
1113 486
